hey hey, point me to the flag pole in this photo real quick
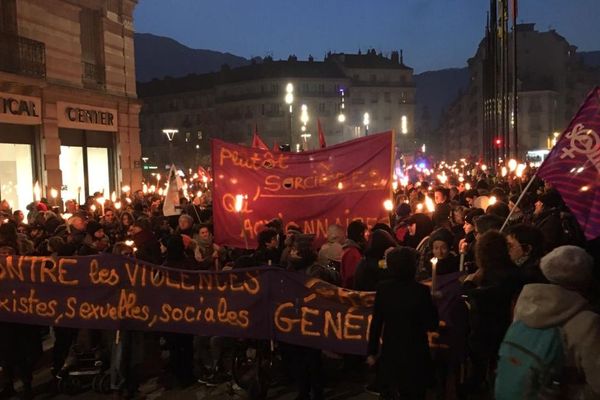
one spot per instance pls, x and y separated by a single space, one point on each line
518 201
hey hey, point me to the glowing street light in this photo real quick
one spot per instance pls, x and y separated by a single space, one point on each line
289 95
366 122
170 133
404 125
304 114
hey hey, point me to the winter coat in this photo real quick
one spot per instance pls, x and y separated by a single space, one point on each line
369 272
490 314
548 221
403 313
452 310
530 272
546 305
350 258
148 248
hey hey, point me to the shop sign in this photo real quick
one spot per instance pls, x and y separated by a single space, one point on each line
17 109
91 118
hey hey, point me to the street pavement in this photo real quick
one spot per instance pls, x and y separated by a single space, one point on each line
151 389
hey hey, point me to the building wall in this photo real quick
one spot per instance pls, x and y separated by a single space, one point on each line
232 110
551 85
57 25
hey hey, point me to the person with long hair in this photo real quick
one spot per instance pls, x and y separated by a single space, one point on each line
490 291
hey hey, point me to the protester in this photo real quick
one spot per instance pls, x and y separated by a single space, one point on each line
526 248
572 350
498 267
546 217
372 269
403 314
491 291
353 247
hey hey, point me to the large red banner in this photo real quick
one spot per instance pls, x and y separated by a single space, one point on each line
311 189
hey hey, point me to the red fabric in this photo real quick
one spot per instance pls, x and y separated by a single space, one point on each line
41 206
350 259
257 142
312 189
401 233
275 147
322 143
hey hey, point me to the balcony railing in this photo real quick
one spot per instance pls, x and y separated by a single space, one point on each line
20 55
93 74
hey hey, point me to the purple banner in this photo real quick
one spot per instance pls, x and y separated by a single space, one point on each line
114 292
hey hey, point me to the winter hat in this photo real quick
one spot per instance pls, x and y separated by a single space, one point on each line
472 214
403 210
41 206
292 228
143 223
441 234
55 243
551 199
93 227
402 263
330 252
500 209
568 266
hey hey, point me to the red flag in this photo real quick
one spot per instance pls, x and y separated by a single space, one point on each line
515 10
275 147
322 143
573 165
257 142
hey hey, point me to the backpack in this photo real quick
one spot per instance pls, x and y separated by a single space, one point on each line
531 363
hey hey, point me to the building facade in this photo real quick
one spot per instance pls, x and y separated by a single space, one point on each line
552 82
232 103
69 117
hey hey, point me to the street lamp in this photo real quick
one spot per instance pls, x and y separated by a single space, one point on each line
304 119
170 133
366 122
341 116
289 100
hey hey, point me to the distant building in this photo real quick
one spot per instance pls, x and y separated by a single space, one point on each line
552 83
68 107
229 104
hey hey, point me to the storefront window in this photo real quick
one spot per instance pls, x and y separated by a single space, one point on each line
71 165
98 168
16 174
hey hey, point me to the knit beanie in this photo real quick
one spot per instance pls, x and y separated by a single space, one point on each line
568 266
93 227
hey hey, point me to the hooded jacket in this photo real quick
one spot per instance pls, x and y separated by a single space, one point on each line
542 306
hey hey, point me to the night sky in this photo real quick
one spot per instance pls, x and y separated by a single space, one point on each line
434 34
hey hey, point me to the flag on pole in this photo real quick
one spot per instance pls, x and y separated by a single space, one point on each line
174 184
275 147
257 142
322 143
573 165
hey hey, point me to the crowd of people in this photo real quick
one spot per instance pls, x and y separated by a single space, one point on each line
449 281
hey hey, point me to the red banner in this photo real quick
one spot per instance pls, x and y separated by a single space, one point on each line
312 189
